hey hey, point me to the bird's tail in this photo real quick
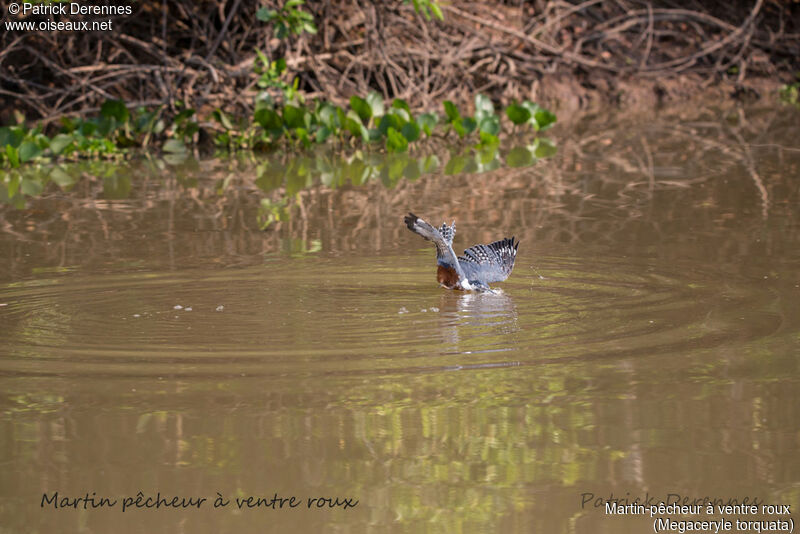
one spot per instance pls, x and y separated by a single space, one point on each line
442 238
418 226
444 233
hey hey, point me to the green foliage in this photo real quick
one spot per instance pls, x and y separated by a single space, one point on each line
375 101
410 131
395 141
269 72
361 107
451 111
790 93
427 122
533 114
116 110
289 19
366 121
427 8
518 114
541 119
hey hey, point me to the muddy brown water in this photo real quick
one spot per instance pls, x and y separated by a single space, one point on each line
156 339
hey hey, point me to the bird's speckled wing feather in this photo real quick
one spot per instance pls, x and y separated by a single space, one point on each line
484 264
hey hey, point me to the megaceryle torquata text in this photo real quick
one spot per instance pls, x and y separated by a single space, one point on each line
477 268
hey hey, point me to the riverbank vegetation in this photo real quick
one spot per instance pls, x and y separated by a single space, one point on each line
203 53
367 122
281 116
182 76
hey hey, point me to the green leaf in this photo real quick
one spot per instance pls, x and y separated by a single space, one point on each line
28 150
323 134
11 136
264 14
302 136
115 109
222 118
458 126
278 66
427 121
483 107
451 110
437 11
544 118
182 117
87 128
402 114
469 124
360 106
389 121
105 125
489 139
293 116
375 101
395 142
399 103
490 125
352 123
269 119
261 57
174 146
518 114
410 131
541 118
328 116
464 126
60 142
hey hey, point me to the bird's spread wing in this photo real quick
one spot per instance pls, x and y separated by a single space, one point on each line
489 263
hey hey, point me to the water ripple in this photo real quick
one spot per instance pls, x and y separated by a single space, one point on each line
366 316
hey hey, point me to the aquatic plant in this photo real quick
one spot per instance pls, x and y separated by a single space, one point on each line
368 123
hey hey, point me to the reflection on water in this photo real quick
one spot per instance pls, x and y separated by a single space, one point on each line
476 322
156 339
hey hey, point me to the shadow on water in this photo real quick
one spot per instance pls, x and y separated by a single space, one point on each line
251 326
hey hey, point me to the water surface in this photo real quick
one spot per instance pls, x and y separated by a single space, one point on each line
254 327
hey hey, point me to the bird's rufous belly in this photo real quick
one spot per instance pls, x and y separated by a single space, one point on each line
448 277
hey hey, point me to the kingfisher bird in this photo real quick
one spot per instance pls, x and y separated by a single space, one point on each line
480 264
